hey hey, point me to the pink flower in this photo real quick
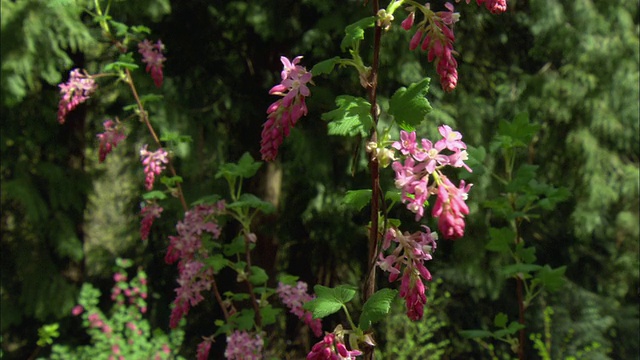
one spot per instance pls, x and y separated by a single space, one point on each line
407 23
109 139
450 208
295 298
283 114
495 6
244 346
153 164
149 213
332 347
74 92
203 349
77 310
450 139
152 56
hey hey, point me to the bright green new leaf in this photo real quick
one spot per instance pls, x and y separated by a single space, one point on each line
551 279
171 181
245 319
409 106
376 308
501 239
288 279
351 118
125 61
154 195
269 314
258 276
354 33
325 66
253 202
246 168
500 320
217 262
357 198
329 300
524 269
236 246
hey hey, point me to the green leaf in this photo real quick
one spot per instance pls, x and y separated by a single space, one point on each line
236 246
325 66
354 33
501 239
329 300
209 200
269 315
394 195
154 195
409 106
171 181
121 29
288 279
525 269
217 262
522 178
551 279
471 334
357 199
246 168
244 319
376 308
258 276
513 328
500 320
175 137
124 61
351 118
252 202
141 29
526 254
520 131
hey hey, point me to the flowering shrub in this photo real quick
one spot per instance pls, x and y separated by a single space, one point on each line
200 250
123 333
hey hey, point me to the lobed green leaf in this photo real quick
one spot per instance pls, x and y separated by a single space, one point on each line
376 307
409 106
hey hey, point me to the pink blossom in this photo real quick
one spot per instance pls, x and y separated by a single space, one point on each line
283 114
203 349
294 298
152 56
495 6
154 164
109 139
450 208
452 140
77 310
407 23
74 92
332 347
149 213
244 346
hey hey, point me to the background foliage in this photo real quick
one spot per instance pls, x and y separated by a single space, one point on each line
571 64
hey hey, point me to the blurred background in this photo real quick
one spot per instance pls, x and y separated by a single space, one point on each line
572 65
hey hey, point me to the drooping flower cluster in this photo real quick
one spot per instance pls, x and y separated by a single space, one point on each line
295 298
244 346
149 213
152 56
134 292
420 176
332 347
186 248
203 349
495 6
74 92
285 113
407 258
153 164
435 36
109 139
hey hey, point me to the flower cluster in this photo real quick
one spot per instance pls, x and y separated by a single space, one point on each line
135 291
495 6
186 248
152 56
244 346
203 349
149 213
285 113
109 139
295 298
408 258
425 162
435 36
332 347
153 164
74 92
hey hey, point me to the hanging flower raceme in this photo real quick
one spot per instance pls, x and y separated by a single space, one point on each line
495 6
407 259
149 213
154 164
242 345
109 139
186 249
152 56
435 36
295 298
283 114
74 92
420 176
332 347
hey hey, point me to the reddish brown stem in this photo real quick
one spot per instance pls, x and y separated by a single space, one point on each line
252 294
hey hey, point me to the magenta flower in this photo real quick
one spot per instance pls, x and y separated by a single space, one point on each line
203 349
332 347
153 164
74 92
295 298
283 114
152 56
77 310
495 6
149 213
244 346
452 140
109 139
450 208
193 280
